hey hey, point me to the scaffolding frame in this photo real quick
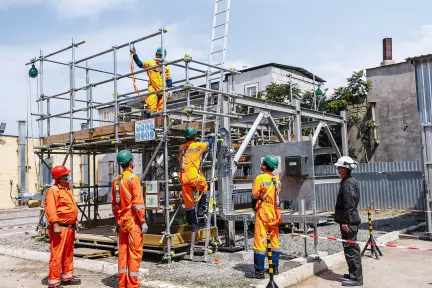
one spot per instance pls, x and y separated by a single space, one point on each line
182 109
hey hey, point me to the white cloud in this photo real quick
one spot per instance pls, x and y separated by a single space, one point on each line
340 61
67 9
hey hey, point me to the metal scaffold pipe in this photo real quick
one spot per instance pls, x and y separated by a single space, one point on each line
90 69
112 103
118 47
167 204
41 58
216 67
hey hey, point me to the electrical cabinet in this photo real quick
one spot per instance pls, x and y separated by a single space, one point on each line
295 166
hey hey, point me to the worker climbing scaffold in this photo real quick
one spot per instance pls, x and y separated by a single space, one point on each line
129 212
265 201
154 102
191 175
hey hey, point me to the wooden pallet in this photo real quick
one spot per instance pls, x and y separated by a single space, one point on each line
180 236
100 133
90 253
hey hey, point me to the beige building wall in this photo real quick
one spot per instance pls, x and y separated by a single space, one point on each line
9 167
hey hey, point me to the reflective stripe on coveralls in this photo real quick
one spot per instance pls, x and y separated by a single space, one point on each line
60 207
266 187
155 102
129 214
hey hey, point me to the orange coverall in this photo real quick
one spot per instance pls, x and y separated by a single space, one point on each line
191 176
129 212
264 189
155 102
61 207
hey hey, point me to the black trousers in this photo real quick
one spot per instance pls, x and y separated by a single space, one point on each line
352 253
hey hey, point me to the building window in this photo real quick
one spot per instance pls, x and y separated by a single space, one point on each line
251 90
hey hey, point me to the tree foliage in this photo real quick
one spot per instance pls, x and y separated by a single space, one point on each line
350 98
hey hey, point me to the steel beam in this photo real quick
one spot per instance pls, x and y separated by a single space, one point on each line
332 140
248 138
275 129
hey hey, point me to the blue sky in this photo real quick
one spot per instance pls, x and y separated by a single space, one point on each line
329 38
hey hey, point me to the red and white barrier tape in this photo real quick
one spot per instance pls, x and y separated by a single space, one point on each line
359 242
409 211
16 227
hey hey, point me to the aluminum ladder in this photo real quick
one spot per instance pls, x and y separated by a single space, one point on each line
218 47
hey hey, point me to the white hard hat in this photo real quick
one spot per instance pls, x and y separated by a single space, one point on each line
346 162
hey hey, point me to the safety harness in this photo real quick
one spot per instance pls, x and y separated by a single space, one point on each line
120 182
183 152
132 68
278 218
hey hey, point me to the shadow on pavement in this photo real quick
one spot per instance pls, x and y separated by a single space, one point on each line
110 281
331 276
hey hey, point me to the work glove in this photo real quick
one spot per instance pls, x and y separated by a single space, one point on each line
144 228
132 49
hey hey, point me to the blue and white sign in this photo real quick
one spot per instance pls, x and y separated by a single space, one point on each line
145 130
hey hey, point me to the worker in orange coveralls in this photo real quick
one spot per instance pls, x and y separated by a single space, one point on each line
191 176
61 212
154 101
265 200
129 212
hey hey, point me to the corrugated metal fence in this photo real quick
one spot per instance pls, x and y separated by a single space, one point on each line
391 185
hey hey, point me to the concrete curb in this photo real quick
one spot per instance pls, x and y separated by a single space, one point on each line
415 237
412 228
299 274
84 264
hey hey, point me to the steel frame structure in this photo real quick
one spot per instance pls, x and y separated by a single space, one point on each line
221 112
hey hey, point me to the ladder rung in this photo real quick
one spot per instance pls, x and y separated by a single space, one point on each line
217 51
221 12
223 24
218 38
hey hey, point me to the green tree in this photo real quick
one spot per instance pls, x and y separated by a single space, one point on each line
307 101
352 98
274 92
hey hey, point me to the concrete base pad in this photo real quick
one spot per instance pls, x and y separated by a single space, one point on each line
90 265
306 270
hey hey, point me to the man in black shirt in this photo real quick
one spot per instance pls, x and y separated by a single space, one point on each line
346 214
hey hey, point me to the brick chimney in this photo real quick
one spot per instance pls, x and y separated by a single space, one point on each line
387 52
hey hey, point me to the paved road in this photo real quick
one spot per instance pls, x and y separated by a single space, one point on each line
22 273
397 268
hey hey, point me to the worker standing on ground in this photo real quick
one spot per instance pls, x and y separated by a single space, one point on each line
347 216
129 212
191 176
265 201
61 213
154 102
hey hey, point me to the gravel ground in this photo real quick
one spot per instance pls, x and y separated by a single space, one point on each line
231 273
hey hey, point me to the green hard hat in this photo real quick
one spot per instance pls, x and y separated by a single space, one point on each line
272 161
159 51
190 132
124 157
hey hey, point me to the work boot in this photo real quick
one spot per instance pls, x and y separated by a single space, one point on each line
202 206
352 283
73 282
347 276
256 275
